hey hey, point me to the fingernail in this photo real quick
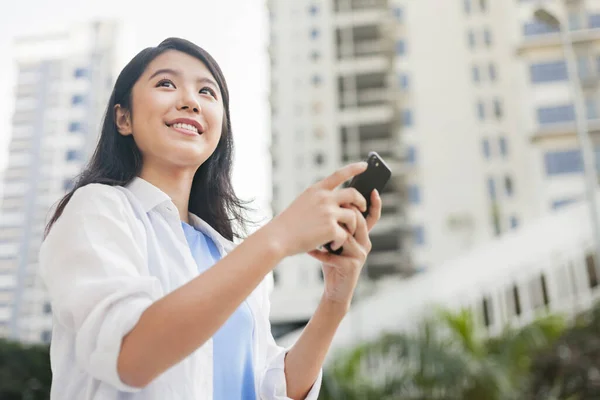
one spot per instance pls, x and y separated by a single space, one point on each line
376 192
363 164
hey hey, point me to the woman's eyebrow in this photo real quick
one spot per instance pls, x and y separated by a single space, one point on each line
165 71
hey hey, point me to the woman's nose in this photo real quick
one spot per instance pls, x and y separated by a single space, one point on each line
189 102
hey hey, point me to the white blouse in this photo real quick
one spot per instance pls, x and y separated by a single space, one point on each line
112 253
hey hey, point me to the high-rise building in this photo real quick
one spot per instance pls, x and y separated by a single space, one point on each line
334 98
549 118
62 86
469 100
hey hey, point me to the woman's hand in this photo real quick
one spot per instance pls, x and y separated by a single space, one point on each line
316 217
341 272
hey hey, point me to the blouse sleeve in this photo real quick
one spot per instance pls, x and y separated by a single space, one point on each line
273 383
92 264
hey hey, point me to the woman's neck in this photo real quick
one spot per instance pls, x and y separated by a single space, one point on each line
175 182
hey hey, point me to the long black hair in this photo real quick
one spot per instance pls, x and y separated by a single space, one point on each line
117 159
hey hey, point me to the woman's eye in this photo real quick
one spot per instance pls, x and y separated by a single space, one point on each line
165 83
209 91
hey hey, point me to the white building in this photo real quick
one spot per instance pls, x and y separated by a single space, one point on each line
549 120
482 135
546 266
63 84
333 100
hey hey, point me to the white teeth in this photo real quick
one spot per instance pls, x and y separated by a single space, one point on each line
187 127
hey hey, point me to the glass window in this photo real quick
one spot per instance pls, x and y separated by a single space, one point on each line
75 127
491 188
399 13
47 308
46 336
73 155
414 194
419 235
594 21
496 220
411 155
81 73
502 144
508 186
314 55
467 6
68 184
487 37
548 72
481 111
313 10
407 118
563 162
319 159
498 109
471 38
558 204
492 72
475 74
483 5
486 148
316 80
486 309
78 99
514 301
538 28
314 33
556 114
514 222
404 83
400 47
592 271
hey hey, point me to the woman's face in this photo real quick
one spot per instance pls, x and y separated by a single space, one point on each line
176 112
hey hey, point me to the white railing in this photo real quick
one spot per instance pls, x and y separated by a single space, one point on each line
546 266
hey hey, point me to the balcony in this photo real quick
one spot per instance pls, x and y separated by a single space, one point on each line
365 65
362 41
367 115
359 5
388 224
360 17
363 90
553 39
566 127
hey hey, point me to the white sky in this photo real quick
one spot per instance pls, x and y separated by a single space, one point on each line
235 32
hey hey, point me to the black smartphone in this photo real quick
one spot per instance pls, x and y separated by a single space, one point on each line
376 176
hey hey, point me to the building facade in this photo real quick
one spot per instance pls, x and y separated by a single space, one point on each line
333 99
549 121
469 99
62 87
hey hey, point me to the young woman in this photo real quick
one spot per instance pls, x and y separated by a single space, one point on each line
150 298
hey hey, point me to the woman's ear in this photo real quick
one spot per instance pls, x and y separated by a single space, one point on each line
123 120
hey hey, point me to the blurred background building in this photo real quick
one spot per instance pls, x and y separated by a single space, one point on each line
469 102
63 84
334 98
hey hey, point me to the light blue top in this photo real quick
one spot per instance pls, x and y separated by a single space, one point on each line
233 376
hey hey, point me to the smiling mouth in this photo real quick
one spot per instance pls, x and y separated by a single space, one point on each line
185 127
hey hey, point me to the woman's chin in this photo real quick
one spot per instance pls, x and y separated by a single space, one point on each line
188 159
